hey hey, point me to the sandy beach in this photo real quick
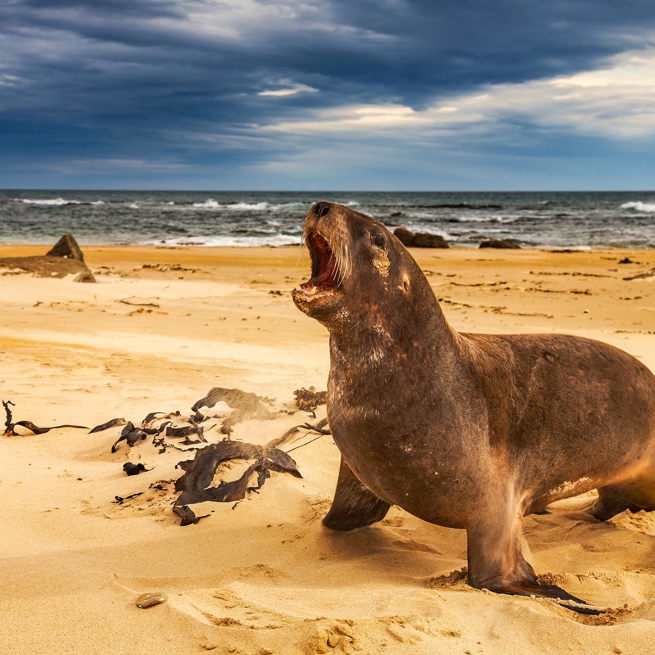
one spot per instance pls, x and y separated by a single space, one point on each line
261 576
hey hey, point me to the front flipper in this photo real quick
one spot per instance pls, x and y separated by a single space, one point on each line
496 563
534 589
354 506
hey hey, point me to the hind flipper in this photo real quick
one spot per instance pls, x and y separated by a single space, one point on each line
614 499
354 506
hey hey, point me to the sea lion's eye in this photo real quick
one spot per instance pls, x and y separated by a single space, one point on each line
378 240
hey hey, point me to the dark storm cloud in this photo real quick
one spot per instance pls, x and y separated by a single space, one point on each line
404 50
125 77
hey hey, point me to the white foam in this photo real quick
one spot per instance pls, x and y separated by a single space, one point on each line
58 202
210 203
646 207
246 206
468 218
45 201
245 241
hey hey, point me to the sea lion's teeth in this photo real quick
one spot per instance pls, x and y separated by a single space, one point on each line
312 291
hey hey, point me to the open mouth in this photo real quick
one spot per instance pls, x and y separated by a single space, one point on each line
325 269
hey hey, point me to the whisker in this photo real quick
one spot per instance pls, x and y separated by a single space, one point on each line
335 269
344 259
301 252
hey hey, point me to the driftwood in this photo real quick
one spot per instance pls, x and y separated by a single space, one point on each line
196 486
10 424
64 258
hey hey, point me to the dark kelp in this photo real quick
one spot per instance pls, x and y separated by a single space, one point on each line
10 424
130 435
244 405
197 483
108 424
134 469
307 400
196 486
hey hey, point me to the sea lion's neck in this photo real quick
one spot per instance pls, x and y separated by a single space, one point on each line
394 333
396 367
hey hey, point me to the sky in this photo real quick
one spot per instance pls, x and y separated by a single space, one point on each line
328 94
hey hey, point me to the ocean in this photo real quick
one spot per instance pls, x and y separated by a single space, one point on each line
538 220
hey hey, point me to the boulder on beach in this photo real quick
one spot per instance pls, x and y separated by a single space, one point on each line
64 258
419 239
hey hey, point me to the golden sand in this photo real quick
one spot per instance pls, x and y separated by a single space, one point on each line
164 325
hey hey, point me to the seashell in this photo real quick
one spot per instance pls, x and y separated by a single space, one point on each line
150 599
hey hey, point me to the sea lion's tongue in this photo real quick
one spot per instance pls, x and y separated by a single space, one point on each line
325 272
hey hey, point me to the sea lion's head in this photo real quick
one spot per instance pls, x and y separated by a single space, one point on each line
360 270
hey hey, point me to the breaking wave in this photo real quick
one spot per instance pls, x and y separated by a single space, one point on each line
644 207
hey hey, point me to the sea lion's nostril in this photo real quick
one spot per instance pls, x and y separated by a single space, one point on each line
321 209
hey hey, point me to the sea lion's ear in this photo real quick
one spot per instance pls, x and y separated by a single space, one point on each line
405 285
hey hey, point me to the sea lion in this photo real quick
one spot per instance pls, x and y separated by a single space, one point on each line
469 431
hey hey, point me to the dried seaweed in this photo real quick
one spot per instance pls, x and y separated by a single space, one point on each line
244 405
10 424
155 432
126 301
200 480
108 424
151 417
119 500
182 430
307 400
196 485
134 469
187 515
642 276
130 435
198 417
320 428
